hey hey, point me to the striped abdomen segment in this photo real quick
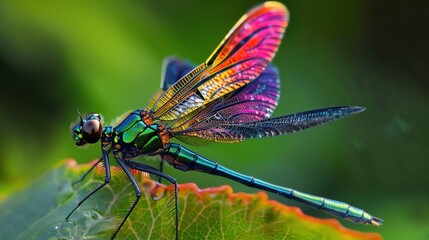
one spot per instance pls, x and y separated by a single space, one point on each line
184 159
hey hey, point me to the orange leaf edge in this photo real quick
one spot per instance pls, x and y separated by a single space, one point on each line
246 197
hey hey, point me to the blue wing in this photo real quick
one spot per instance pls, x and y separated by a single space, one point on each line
173 69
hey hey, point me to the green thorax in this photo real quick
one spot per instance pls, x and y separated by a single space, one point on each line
132 131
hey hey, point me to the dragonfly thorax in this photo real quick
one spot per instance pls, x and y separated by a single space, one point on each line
134 136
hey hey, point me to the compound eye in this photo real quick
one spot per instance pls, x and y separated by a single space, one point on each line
91 131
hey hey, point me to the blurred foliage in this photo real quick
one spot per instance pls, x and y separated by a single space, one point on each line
212 213
105 56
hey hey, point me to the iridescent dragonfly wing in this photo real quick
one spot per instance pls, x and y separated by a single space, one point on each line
255 101
173 69
239 59
220 129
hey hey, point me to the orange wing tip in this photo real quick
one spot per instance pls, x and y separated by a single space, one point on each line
277 5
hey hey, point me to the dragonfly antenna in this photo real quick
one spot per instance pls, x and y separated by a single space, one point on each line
80 115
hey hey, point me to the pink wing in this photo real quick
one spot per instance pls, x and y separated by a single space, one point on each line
254 102
240 58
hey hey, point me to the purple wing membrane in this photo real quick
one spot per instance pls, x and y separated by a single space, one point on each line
253 102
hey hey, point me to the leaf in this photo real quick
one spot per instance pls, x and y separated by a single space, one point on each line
39 210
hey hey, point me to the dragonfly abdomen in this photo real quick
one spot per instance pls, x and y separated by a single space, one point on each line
333 207
184 159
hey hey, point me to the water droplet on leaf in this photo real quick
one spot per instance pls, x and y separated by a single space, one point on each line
95 215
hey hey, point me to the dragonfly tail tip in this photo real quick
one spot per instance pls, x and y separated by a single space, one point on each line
357 109
376 221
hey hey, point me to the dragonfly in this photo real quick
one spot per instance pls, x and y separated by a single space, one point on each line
228 98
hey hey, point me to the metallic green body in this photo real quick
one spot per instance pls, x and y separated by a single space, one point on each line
136 138
132 132
186 160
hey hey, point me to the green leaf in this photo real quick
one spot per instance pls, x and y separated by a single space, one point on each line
39 210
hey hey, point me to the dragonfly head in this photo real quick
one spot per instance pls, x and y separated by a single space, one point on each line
88 129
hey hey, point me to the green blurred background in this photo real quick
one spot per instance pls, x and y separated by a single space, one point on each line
105 56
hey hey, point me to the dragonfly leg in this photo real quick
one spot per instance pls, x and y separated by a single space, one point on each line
145 168
105 157
161 168
89 171
186 160
136 189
